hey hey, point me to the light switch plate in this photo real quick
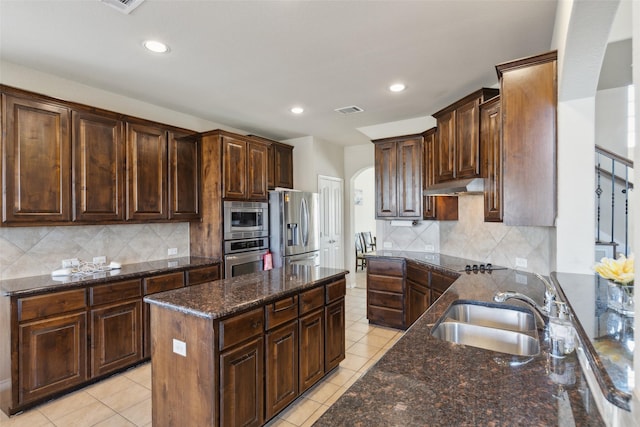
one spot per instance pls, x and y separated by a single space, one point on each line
521 262
429 248
180 347
172 251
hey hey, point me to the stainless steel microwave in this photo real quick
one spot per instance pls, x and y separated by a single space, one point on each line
244 220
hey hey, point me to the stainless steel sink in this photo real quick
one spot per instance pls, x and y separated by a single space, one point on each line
492 315
500 340
496 327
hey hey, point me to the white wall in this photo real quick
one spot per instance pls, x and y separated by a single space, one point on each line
364 214
611 120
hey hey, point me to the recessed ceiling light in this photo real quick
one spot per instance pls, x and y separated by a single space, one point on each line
397 87
297 110
156 46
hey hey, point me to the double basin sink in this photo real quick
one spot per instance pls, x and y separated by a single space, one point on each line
496 327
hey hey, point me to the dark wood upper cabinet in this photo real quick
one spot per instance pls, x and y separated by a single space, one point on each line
398 177
529 101
491 141
457 152
36 160
184 176
282 165
98 167
146 172
244 168
440 208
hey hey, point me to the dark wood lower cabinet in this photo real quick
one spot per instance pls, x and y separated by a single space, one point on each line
241 385
52 355
418 300
282 368
334 348
311 349
116 336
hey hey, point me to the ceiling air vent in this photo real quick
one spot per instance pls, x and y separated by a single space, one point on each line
349 110
124 6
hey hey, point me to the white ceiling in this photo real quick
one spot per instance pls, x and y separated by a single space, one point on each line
245 63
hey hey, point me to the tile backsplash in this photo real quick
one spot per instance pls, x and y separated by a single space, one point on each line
471 237
32 251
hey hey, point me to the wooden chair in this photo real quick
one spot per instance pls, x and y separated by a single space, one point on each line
360 250
369 241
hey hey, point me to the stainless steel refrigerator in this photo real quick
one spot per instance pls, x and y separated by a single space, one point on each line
293 228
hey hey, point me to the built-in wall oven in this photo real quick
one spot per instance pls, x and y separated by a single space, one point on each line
246 237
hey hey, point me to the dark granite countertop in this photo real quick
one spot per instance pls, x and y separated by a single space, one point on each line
422 380
221 298
609 336
46 283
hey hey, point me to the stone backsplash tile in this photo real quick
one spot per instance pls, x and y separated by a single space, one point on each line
32 251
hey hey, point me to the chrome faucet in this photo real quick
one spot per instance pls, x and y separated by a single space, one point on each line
543 312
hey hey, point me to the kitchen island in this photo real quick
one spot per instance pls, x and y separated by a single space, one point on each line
423 380
237 351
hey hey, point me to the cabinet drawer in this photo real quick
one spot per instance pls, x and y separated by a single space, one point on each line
418 274
241 327
385 267
165 282
440 281
48 304
385 299
281 311
384 283
386 317
203 274
335 290
113 292
311 299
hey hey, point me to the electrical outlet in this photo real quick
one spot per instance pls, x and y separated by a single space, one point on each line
70 263
172 251
429 248
388 245
521 262
100 259
180 347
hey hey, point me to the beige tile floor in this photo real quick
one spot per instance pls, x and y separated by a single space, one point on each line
124 400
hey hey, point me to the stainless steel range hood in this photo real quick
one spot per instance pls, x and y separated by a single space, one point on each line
461 186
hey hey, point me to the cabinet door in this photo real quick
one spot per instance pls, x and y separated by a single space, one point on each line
334 350
467 140
418 300
234 168
409 175
146 172
385 180
271 169
184 177
281 368
241 385
491 137
52 355
98 168
428 173
256 171
283 165
445 147
311 349
116 336
36 159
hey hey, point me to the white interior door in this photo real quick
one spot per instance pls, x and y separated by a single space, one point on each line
331 223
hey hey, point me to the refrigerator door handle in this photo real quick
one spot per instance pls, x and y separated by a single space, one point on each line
304 221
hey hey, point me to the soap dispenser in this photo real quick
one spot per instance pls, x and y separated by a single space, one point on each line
561 331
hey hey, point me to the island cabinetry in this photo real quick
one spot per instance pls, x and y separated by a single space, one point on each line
457 153
36 158
152 285
439 283
311 338
244 168
398 177
98 167
440 208
51 346
385 292
528 89
281 355
116 326
242 369
491 141
334 317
